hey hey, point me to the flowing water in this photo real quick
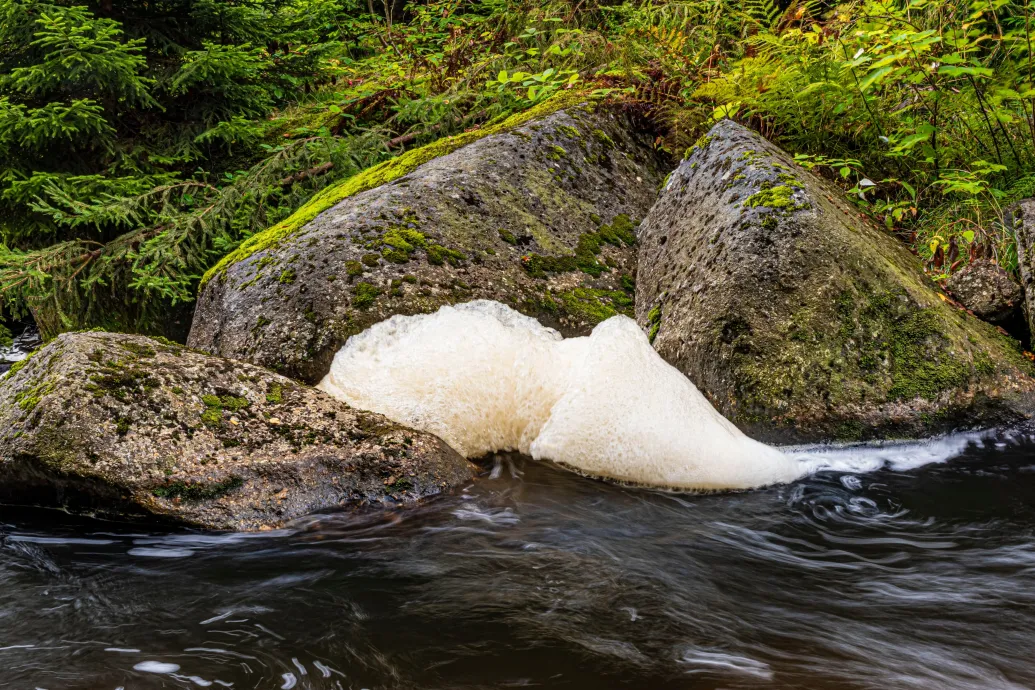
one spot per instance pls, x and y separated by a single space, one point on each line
26 339
533 576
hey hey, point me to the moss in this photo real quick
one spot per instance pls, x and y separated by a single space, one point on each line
121 379
216 404
364 295
371 260
138 350
399 243
602 137
409 278
628 283
544 303
653 322
569 131
353 269
849 430
983 364
122 426
507 236
917 372
382 174
438 255
701 143
275 394
594 306
19 365
29 398
556 153
197 491
780 197
287 276
868 346
618 233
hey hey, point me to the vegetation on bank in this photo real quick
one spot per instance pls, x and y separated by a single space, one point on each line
141 142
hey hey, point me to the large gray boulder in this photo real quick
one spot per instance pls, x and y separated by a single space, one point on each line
1021 219
541 216
802 321
127 425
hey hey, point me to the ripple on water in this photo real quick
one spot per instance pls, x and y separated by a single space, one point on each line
920 579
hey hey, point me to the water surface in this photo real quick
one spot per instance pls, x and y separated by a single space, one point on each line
536 577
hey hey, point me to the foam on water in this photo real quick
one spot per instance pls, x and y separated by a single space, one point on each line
485 378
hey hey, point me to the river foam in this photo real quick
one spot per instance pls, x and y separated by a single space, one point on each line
485 378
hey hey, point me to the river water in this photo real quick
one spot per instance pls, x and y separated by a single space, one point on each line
536 577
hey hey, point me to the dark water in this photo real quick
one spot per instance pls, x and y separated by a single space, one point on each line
918 579
26 339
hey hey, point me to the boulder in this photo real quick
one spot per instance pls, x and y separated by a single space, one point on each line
986 290
801 320
128 425
1021 219
539 213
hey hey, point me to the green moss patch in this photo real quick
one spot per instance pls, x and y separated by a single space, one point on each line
780 197
364 295
275 394
216 404
593 305
654 322
20 364
29 398
619 233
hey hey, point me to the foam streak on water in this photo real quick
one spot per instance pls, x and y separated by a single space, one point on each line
485 378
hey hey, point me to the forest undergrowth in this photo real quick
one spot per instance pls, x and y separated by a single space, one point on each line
140 142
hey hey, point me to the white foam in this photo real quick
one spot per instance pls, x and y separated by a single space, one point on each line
485 378
899 456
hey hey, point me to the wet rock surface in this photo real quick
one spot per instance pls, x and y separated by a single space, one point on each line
127 425
987 290
802 321
542 218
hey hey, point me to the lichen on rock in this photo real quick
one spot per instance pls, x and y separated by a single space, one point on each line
800 320
131 426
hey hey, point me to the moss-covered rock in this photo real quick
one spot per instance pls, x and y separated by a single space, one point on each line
1021 219
539 212
127 425
802 321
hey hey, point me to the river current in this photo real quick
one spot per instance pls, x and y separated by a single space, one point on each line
535 577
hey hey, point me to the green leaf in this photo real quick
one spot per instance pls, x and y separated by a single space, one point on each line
874 77
922 134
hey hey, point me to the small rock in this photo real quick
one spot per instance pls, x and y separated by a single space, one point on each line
987 290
